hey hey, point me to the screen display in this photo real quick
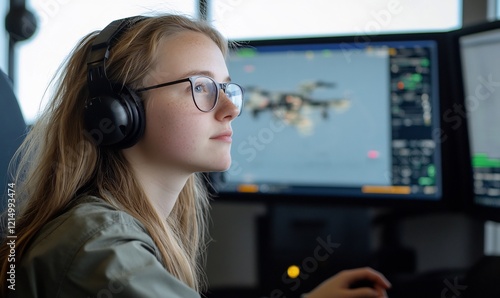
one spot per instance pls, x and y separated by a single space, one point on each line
480 58
336 119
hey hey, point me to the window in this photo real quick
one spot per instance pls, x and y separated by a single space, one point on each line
256 19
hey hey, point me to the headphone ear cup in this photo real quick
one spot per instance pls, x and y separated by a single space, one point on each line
107 120
137 117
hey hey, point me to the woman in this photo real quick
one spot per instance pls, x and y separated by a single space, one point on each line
111 201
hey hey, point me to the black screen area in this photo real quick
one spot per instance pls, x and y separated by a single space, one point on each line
336 119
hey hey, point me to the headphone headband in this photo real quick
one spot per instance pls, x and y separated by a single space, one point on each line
97 79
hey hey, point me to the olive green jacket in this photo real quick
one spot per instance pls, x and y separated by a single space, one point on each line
94 250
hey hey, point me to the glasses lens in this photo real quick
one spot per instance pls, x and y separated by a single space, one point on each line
204 93
235 94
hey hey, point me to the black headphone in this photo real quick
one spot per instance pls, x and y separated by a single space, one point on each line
114 115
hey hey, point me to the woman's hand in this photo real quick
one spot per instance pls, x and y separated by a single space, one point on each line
339 285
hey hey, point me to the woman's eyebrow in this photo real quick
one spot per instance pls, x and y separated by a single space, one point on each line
205 73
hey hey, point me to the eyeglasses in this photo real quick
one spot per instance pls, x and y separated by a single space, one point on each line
205 92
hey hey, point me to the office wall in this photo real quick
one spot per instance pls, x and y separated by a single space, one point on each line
232 255
443 240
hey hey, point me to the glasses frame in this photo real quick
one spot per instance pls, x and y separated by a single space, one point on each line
191 80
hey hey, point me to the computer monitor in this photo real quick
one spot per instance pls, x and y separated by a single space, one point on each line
479 53
351 119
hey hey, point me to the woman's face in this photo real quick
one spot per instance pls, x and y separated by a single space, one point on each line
177 133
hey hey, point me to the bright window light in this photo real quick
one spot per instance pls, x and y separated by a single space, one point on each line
62 23
257 19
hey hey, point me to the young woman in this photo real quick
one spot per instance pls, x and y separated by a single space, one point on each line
110 199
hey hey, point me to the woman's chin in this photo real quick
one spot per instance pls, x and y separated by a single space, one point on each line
220 167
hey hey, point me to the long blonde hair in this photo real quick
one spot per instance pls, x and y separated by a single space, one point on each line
57 162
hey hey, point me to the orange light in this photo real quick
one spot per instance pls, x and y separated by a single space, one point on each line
248 188
293 271
400 190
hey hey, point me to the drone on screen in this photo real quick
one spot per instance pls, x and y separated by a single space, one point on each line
293 107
